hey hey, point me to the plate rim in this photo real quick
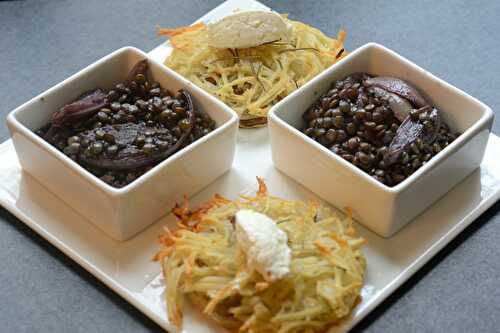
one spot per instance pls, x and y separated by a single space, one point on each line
381 295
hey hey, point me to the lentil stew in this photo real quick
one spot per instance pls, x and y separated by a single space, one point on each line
382 125
120 134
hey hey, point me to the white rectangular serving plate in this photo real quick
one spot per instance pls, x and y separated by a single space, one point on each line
126 267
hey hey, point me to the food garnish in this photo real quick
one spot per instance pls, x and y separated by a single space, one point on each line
314 282
382 125
120 134
263 243
279 56
248 29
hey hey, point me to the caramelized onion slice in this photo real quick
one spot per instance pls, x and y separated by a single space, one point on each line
398 87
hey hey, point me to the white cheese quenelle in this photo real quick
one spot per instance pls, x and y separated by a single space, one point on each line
248 29
264 244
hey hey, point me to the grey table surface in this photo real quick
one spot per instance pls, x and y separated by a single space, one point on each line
43 42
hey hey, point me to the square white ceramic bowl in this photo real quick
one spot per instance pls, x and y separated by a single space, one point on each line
122 212
380 208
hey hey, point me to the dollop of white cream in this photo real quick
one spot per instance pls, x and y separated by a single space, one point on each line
264 244
248 29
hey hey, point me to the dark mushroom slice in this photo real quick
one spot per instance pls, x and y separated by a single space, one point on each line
131 156
409 132
398 87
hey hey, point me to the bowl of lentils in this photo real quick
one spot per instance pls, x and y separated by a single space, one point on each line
124 138
380 124
121 133
380 135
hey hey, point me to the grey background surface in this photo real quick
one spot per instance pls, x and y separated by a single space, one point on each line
43 42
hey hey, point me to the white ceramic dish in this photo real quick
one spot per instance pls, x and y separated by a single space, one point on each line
125 267
340 183
122 212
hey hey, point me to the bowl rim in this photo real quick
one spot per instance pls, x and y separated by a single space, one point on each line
79 170
431 164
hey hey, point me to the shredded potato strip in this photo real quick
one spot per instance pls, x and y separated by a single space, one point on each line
253 79
203 262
